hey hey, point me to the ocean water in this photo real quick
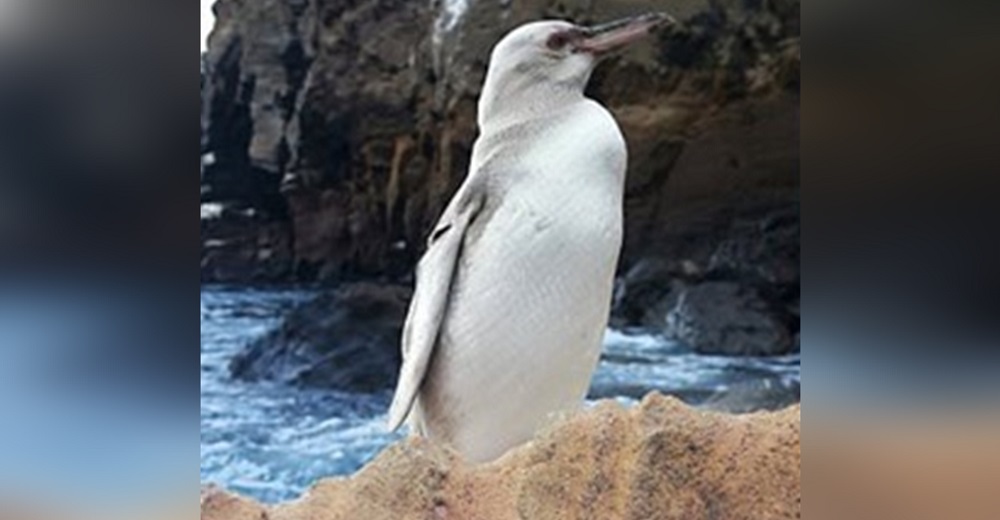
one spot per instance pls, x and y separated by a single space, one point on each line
271 442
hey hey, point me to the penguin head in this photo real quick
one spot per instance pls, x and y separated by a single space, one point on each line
550 58
559 52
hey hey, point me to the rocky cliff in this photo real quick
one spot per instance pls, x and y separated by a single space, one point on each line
658 460
335 132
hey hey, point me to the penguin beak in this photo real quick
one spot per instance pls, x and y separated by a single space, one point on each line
600 39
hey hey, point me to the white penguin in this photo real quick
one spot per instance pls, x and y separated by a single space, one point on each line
513 293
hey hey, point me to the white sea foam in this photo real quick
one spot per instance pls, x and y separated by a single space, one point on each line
210 210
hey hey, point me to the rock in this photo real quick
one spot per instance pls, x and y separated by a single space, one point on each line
352 122
734 290
660 459
346 339
725 318
218 504
647 292
240 245
771 393
763 249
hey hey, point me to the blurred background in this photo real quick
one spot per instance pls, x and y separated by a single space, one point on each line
97 254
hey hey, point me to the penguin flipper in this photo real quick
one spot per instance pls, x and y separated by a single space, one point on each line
435 273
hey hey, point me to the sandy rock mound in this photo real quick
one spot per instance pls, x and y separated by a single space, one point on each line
660 459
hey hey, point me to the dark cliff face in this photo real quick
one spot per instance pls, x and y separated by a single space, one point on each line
335 132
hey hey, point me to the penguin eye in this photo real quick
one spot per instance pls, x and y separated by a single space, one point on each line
557 41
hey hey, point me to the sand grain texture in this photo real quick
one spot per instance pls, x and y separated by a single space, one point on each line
658 460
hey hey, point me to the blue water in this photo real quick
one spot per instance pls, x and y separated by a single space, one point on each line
272 442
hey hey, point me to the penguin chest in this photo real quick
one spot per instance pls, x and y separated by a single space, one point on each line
536 277
569 235
542 257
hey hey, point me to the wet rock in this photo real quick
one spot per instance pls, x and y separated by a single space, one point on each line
726 318
659 459
240 245
647 292
353 121
346 339
734 290
762 249
755 395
